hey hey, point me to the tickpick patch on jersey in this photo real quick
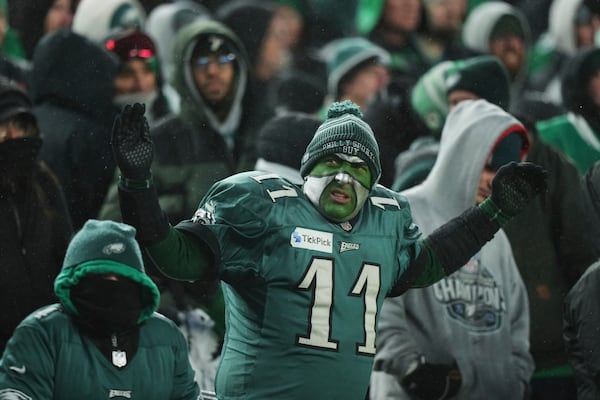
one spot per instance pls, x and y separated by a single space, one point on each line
312 240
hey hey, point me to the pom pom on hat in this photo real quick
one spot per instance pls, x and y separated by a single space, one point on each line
340 108
343 132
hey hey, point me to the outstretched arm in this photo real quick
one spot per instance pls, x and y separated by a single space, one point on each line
177 254
450 246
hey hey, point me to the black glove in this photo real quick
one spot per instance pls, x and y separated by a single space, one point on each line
432 381
131 144
516 184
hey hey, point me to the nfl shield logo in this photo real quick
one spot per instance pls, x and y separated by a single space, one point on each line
119 359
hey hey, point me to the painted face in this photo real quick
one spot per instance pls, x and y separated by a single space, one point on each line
338 186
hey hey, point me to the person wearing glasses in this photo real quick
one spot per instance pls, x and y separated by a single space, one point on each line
202 143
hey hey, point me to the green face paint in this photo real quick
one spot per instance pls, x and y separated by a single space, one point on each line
339 187
332 165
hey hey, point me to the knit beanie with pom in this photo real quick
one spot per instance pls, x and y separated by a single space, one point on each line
345 132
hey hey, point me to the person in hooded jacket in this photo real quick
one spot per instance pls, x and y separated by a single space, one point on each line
555 226
393 25
31 20
468 334
571 26
590 183
71 89
581 312
265 39
104 331
36 226
162 25
576 133
497 28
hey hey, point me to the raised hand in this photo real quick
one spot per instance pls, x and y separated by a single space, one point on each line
132 146
516 184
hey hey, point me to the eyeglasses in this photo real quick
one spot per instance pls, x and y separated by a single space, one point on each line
202 63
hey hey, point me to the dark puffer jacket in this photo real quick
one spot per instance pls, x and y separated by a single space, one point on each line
71 88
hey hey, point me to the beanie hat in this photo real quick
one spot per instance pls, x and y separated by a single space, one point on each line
131 44
104 240
345 132
213 43
511 147
296 90
484 76
345 55
282 138
102 247
428 97
507 25
575 78
250 21
13 100
96 22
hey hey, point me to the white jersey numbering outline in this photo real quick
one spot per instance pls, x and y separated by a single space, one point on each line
319 278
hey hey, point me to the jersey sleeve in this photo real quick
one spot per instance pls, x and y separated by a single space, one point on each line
237 212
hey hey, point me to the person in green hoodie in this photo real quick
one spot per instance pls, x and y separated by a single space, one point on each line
104 334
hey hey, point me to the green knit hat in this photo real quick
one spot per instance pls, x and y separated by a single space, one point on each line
484 76
346 55
428 97
103 247
343 132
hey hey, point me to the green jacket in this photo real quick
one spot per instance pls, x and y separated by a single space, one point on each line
47 358
50 357
573 136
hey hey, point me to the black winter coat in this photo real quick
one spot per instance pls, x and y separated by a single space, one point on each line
34 234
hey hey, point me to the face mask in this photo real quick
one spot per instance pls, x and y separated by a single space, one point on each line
107 306
18 154
148 98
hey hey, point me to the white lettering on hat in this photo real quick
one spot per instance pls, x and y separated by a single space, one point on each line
350 147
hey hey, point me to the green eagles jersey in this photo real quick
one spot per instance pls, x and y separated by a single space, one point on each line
302 293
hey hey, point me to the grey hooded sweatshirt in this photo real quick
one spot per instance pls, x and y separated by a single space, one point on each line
479 315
